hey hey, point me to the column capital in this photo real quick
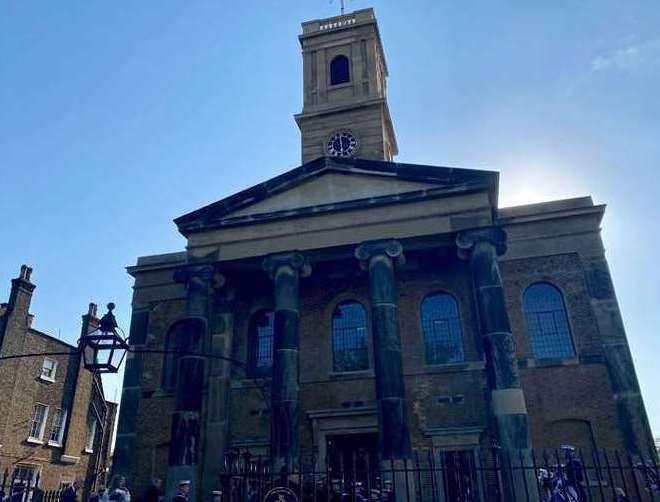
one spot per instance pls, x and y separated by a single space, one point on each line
204 272
297 261
391 248
468 239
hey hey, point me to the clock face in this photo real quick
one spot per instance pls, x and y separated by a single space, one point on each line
342 144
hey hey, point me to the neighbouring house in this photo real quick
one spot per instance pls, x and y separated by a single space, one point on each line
55 422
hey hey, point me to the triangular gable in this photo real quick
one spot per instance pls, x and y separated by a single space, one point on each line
331 184
330 188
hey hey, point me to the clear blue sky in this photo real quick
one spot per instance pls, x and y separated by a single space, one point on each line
116 117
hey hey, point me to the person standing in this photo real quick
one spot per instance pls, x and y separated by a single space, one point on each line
182 494
101 495
119 492
70 492
154 493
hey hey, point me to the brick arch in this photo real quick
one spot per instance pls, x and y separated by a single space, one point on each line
576 432
185 335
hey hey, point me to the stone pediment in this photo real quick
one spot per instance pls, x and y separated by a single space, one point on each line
332 188
330 184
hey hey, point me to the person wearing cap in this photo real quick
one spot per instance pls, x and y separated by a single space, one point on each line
182 494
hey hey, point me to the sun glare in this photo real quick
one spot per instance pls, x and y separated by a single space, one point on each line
537 181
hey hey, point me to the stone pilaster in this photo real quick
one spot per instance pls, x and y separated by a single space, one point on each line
125 444
380 259
186 433
625 387
507 400
221 326
285 270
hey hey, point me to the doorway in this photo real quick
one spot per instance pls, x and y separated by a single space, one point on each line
353 461
459 474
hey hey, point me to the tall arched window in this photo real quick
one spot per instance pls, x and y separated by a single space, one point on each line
350 350
183 337
339 72
547 324
441 326
260 343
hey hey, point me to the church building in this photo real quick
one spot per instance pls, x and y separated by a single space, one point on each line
355 302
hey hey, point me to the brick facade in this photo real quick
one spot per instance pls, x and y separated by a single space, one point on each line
386 235
73 390
570 401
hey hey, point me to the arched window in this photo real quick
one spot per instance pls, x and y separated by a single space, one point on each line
350 350
339 72
183 337
547 324
441 326
260 343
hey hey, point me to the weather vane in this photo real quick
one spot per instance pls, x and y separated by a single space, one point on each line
341 3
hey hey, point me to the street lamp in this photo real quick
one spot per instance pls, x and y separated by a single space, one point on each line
104 349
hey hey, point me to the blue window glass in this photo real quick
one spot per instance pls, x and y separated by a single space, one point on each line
350 351
441 326
260 359
339 72
547 324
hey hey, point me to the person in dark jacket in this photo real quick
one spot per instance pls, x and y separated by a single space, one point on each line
182 494
70 492
154 493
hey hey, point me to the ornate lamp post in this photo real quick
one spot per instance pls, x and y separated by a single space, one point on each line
104 349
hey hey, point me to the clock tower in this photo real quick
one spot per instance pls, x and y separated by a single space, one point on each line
345 109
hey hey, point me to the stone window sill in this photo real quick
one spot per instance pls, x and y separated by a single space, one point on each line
247 383
34 441
340 86
455 367
351 374
543 363
46 379
162 393
69 459
447 366
54 444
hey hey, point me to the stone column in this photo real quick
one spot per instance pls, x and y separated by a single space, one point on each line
481 247
185 438
285 269
380 258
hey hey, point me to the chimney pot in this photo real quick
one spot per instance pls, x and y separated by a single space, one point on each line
26 272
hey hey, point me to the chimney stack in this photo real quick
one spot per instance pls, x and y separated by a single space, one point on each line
21 293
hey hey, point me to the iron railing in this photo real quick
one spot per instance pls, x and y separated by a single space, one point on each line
25 488
475 475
